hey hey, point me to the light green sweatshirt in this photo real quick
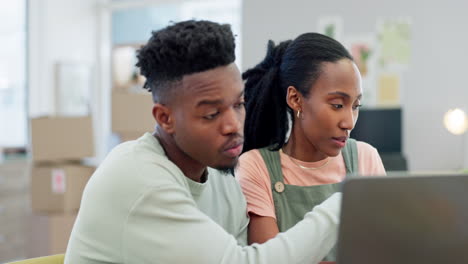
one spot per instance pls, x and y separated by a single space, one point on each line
138 207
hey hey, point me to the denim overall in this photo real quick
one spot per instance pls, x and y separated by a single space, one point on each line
293 202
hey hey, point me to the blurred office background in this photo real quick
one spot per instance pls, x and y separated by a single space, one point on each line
69 90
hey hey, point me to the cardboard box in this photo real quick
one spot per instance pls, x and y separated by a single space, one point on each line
130 136
132 113
58 187
49 234
61 138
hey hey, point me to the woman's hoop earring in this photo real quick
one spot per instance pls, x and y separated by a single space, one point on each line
298 114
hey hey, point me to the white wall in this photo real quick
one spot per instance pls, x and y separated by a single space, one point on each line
68 31
76 31
58 31
435 81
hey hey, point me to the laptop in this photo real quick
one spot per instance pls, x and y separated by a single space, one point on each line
404 219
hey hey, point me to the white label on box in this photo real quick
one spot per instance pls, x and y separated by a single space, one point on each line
58 181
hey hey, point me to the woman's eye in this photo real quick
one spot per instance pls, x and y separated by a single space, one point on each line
357 106
337 106
240 105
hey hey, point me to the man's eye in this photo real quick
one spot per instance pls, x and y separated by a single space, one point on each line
211 116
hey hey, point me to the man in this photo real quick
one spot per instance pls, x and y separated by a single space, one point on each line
156 199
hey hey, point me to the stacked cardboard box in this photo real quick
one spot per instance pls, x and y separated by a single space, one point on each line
58 178
131 104
49 234
132 114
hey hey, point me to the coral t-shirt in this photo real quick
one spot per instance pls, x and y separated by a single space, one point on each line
254 178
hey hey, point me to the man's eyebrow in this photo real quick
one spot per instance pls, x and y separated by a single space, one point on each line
215 102
343 94
209 102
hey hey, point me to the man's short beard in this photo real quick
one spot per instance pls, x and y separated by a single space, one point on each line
228 169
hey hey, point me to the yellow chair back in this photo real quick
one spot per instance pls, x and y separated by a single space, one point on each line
54 259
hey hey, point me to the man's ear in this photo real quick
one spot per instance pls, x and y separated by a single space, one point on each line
163 116
294 99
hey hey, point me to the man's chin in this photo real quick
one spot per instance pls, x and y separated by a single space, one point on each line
227 169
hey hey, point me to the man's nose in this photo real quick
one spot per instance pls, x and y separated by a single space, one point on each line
232 122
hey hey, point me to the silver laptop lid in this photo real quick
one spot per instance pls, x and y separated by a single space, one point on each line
404 219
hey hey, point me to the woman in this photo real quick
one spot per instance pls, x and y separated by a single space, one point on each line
313 83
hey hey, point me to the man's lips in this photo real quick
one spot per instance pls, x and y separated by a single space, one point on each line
234 149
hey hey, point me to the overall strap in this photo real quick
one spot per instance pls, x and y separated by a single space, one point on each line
350 156
292 202
273 163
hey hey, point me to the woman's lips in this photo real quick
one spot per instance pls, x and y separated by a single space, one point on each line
340 141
